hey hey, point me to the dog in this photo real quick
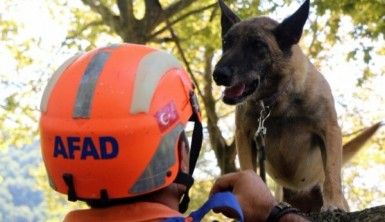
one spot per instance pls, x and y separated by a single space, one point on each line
264 70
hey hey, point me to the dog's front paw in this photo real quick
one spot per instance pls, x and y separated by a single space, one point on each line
332 208
336 204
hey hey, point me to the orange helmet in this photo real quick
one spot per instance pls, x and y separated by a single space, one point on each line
111 120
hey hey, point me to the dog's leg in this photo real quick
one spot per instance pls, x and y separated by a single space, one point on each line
333 197
244 141
245 150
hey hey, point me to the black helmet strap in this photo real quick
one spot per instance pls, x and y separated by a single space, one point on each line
196 144
69 181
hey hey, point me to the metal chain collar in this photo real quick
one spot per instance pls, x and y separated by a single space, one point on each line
263 116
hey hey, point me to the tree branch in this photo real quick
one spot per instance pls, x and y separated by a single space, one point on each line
107 15
224 153
98 7
182 17
226 114
176 7
314 28
80 30
152 16
163 40
185 61
153 7
375 214
126 11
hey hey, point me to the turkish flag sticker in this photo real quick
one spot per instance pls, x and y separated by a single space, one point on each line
166 116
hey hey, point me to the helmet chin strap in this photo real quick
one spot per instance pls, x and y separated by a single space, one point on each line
187 180
196 144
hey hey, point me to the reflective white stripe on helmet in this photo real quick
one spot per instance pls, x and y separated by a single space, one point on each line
150 70
87 86
54 78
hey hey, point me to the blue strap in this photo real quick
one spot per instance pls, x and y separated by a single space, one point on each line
219 200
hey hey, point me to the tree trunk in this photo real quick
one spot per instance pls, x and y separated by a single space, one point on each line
224 153
375 214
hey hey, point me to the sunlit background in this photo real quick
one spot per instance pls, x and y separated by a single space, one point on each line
38 35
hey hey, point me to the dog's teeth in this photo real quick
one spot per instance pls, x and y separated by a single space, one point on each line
223 92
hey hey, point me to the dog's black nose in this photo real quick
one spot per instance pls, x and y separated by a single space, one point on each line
222 76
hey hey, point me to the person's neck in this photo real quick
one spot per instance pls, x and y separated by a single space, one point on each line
169 196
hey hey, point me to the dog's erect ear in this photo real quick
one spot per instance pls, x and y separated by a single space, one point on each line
228 18
289 31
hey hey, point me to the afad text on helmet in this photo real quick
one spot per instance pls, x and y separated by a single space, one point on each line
73 147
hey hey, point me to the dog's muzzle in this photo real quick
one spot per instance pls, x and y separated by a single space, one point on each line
223 76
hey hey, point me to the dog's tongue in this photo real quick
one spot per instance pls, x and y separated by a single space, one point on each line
234 91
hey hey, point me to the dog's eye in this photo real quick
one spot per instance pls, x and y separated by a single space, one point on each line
260 49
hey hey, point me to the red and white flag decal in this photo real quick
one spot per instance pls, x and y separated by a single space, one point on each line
167 116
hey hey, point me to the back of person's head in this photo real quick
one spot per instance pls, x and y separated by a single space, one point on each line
110 123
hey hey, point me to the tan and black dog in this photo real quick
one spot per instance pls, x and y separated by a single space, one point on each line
261 61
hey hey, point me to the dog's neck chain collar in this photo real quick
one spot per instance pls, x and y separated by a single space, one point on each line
259 138
263 116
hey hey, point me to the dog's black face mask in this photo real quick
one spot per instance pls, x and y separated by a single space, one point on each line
250 48
245 62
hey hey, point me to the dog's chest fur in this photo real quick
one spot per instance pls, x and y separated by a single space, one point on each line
294 160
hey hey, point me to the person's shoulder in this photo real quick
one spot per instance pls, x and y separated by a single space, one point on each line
139 211
82 215
72 216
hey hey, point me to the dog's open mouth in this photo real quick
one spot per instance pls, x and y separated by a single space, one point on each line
237 93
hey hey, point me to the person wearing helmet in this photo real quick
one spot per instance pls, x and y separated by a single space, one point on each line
112 134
